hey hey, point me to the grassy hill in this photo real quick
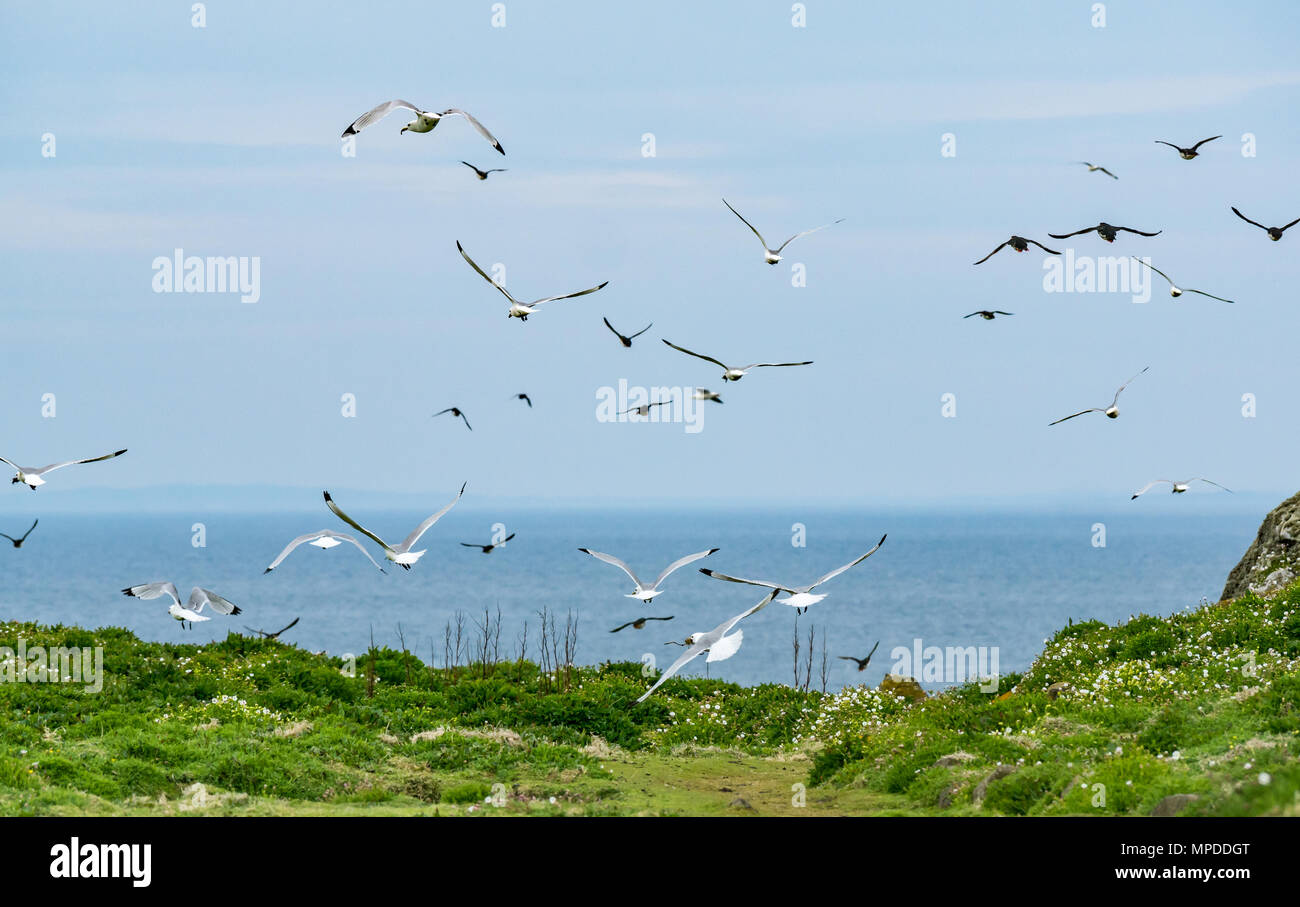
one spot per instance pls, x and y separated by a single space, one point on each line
1108 720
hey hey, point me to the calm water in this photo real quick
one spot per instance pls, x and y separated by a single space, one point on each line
1000 580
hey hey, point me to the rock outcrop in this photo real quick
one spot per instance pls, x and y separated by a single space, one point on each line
1272 561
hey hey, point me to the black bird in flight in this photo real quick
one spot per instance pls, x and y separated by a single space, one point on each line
862 662
1274 233
456 413
627 341
525 398
18 543
487 549
483 174
638 623
276 635
1188 153
987 314
1020 244
1105 231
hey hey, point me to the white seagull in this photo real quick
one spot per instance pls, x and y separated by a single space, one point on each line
402 555
703 393
424 121
799 596
735 374
324 539
31 475
716 642
643 592
1111 411
1175 290
199 599
1093 168
772 256
1179 487
522 310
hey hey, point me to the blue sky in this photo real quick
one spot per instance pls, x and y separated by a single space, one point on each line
224 141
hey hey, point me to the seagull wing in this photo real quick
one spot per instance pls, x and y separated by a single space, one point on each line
11 463
747 582
838 570
610 559
424 527
774 364
288 549
1126 384
153 590
1080 413
54 466
375 115
1208 482
806 232
482 130
1248 220
990 255
1148 486
747 224
689 655
1108 173
481 272
1203 293
682 562
1154 268
726 647
329 502
202 597
682 349
571 295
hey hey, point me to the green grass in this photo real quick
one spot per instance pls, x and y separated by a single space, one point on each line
1205 702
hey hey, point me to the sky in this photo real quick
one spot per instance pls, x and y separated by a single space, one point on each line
223 140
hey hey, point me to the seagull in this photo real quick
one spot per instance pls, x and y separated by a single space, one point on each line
643 592
424 121
276 635
800 597
1111 411
772 256
1020 244
735 374
18 543
987 314
644 408
1188 153
525 398
1093 168
1274 233
323 539
1105 231
522 310
627 341
639 623
483 174
402 555
703 393
199 599
1174 290
862 662
716 642
31 475
1179 487
487 549
456 414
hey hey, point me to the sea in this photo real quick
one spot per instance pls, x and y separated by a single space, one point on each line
1001 582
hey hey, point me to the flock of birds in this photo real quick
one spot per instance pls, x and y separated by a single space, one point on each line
724 640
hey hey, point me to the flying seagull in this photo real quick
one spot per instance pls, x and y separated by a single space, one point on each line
1105 231
703 393
18 543
1020 244
424 121
735 374
483 174
1274 233
644 408
192 612
525 398
522 310
402 555
800 597
772 256
1175 290
862 662
1111 411
487 549
456 414
639 623
987 314
716 642
1093 168
31 475
646 593
1188 153
276 635
1178 487
627 341
323 539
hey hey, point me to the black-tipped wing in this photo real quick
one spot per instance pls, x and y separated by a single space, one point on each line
375 115
482 273
748 224
482 130
682 349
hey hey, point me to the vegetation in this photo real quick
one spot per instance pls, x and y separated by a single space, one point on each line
1108 720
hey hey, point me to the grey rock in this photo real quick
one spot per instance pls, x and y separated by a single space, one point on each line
952 759
1174 804
1269 563
982 788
